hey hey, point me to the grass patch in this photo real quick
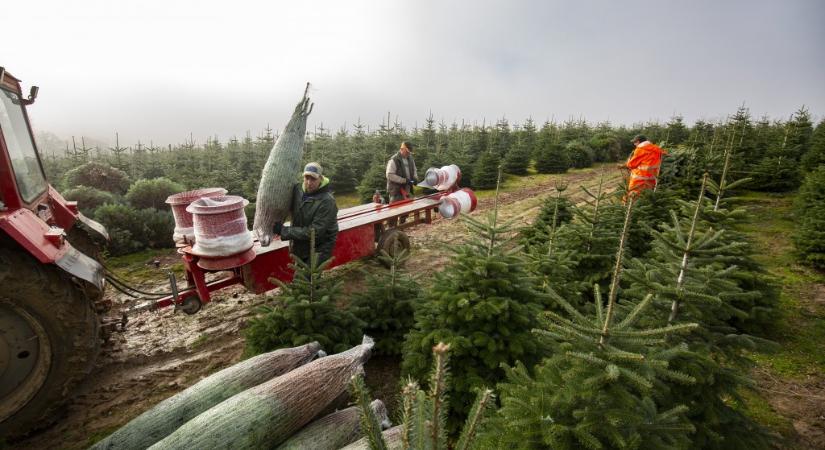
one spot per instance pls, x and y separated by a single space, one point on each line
801 327
138 267
200 341
760 410
347 200
510 183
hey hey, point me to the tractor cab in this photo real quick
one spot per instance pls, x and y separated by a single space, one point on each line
51 299
32 213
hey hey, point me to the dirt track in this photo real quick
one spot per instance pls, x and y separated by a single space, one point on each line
161 353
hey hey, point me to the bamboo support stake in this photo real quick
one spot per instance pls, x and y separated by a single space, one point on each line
680 280
617 272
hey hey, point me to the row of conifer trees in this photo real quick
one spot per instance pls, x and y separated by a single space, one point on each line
603 325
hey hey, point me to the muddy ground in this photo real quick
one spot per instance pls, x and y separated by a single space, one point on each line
160 353
163 352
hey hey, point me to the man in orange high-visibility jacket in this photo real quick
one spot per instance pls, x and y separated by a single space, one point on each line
643 164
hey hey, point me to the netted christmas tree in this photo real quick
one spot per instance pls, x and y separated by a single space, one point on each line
387 303
483 305
689 273
304 312
602 386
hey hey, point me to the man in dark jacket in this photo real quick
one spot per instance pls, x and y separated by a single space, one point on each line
313 208
401 173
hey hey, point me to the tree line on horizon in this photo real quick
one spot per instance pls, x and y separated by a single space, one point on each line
774 153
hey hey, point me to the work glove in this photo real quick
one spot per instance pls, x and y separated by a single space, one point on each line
277 228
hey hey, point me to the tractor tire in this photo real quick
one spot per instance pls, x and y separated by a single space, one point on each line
49 341
393 241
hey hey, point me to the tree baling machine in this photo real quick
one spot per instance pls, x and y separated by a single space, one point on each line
363 231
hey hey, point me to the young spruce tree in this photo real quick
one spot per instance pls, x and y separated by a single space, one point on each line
387 303
602 385
483 305
305 312
689 273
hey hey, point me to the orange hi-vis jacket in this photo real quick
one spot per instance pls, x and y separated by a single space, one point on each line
644 166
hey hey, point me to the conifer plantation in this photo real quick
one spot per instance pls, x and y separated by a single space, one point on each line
612 320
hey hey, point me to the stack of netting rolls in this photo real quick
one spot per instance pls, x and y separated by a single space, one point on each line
184 233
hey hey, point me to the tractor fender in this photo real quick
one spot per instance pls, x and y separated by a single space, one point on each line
49 246
66 215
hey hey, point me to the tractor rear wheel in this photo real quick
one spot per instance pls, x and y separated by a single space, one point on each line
49 341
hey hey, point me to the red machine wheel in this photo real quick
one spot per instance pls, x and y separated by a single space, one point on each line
49 343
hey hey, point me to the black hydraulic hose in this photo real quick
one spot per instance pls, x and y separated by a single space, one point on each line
132 292
110 275
115 280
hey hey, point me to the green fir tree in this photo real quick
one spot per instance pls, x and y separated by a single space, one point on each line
387 304
809 235
689 273
483 305
602 385
304 312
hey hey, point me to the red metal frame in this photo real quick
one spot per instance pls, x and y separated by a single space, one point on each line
359 228
29 224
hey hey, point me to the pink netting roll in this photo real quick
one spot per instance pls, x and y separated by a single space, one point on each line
184 232
220 226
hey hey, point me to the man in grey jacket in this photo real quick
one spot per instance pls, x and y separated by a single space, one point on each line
401 173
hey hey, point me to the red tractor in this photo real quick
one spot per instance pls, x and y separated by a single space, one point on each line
51 294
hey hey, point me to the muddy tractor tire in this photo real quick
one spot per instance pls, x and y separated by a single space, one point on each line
48 344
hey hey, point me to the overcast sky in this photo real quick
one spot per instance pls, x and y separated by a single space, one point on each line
160 69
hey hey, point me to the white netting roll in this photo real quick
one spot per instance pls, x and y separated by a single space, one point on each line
462 201
443 178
